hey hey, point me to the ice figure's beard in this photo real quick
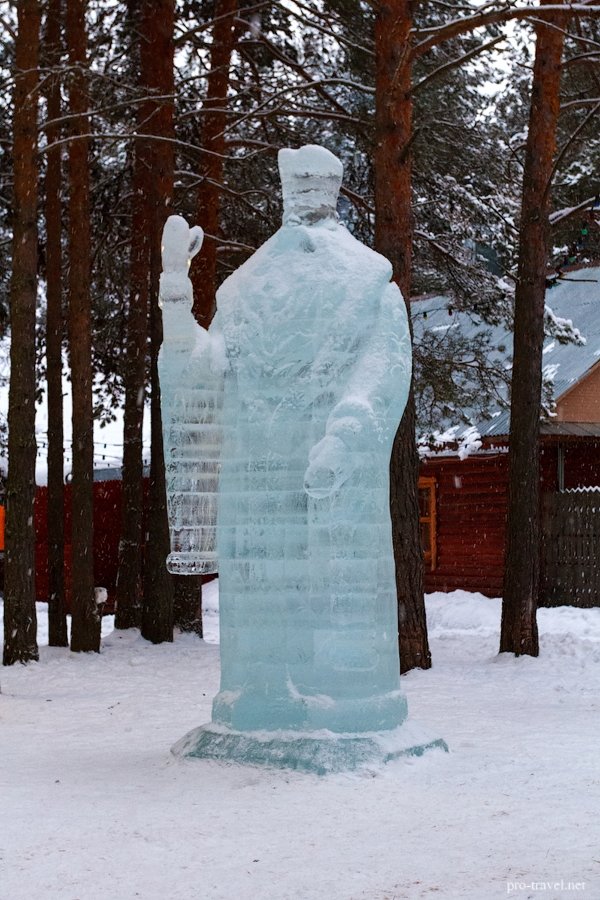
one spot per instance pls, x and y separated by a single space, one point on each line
309 215
310 199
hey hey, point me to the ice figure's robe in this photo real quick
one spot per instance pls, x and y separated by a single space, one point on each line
317 346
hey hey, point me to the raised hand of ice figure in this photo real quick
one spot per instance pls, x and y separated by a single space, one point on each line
180 243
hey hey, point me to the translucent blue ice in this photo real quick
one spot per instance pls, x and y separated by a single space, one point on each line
290 402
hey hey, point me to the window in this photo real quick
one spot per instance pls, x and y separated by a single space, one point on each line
427 520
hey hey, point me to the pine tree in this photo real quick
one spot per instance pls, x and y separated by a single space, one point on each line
212 136
158 49
129 579
20 624
393 238
85 624
57 620
521 579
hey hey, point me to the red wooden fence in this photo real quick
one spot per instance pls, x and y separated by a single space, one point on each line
107 529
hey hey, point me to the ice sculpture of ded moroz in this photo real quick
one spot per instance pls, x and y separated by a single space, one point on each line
278 427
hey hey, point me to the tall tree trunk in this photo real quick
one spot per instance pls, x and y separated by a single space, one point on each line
188 588
129 579
393 238
157 60
521 570
157 614
20 624
85 626
213 122
57 620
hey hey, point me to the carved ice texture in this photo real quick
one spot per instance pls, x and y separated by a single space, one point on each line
191 398
298 388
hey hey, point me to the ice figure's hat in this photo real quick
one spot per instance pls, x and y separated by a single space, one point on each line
310 180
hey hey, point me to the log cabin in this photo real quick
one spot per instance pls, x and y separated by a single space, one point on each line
463 489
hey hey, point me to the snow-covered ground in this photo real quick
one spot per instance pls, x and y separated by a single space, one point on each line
93 807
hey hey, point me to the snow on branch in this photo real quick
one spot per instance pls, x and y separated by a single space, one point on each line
562 329
561 215
469 441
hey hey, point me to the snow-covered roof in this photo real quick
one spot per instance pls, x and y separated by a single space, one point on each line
576 298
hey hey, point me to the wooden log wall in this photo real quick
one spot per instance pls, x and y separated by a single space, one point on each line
582 463
471 498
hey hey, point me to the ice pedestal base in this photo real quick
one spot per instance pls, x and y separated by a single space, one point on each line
320 752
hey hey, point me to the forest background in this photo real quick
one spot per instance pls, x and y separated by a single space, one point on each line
115 114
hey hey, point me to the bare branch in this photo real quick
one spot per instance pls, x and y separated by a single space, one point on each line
562 215
98 112
187 33
454 63
137 136
466 24
325 30
299 87
589 101
437 246
593 58
570 141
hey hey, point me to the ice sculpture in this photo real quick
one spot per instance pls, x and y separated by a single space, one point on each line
290 402
191 400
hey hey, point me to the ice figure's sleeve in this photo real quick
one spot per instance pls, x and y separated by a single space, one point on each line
191 378
372 402
193 442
